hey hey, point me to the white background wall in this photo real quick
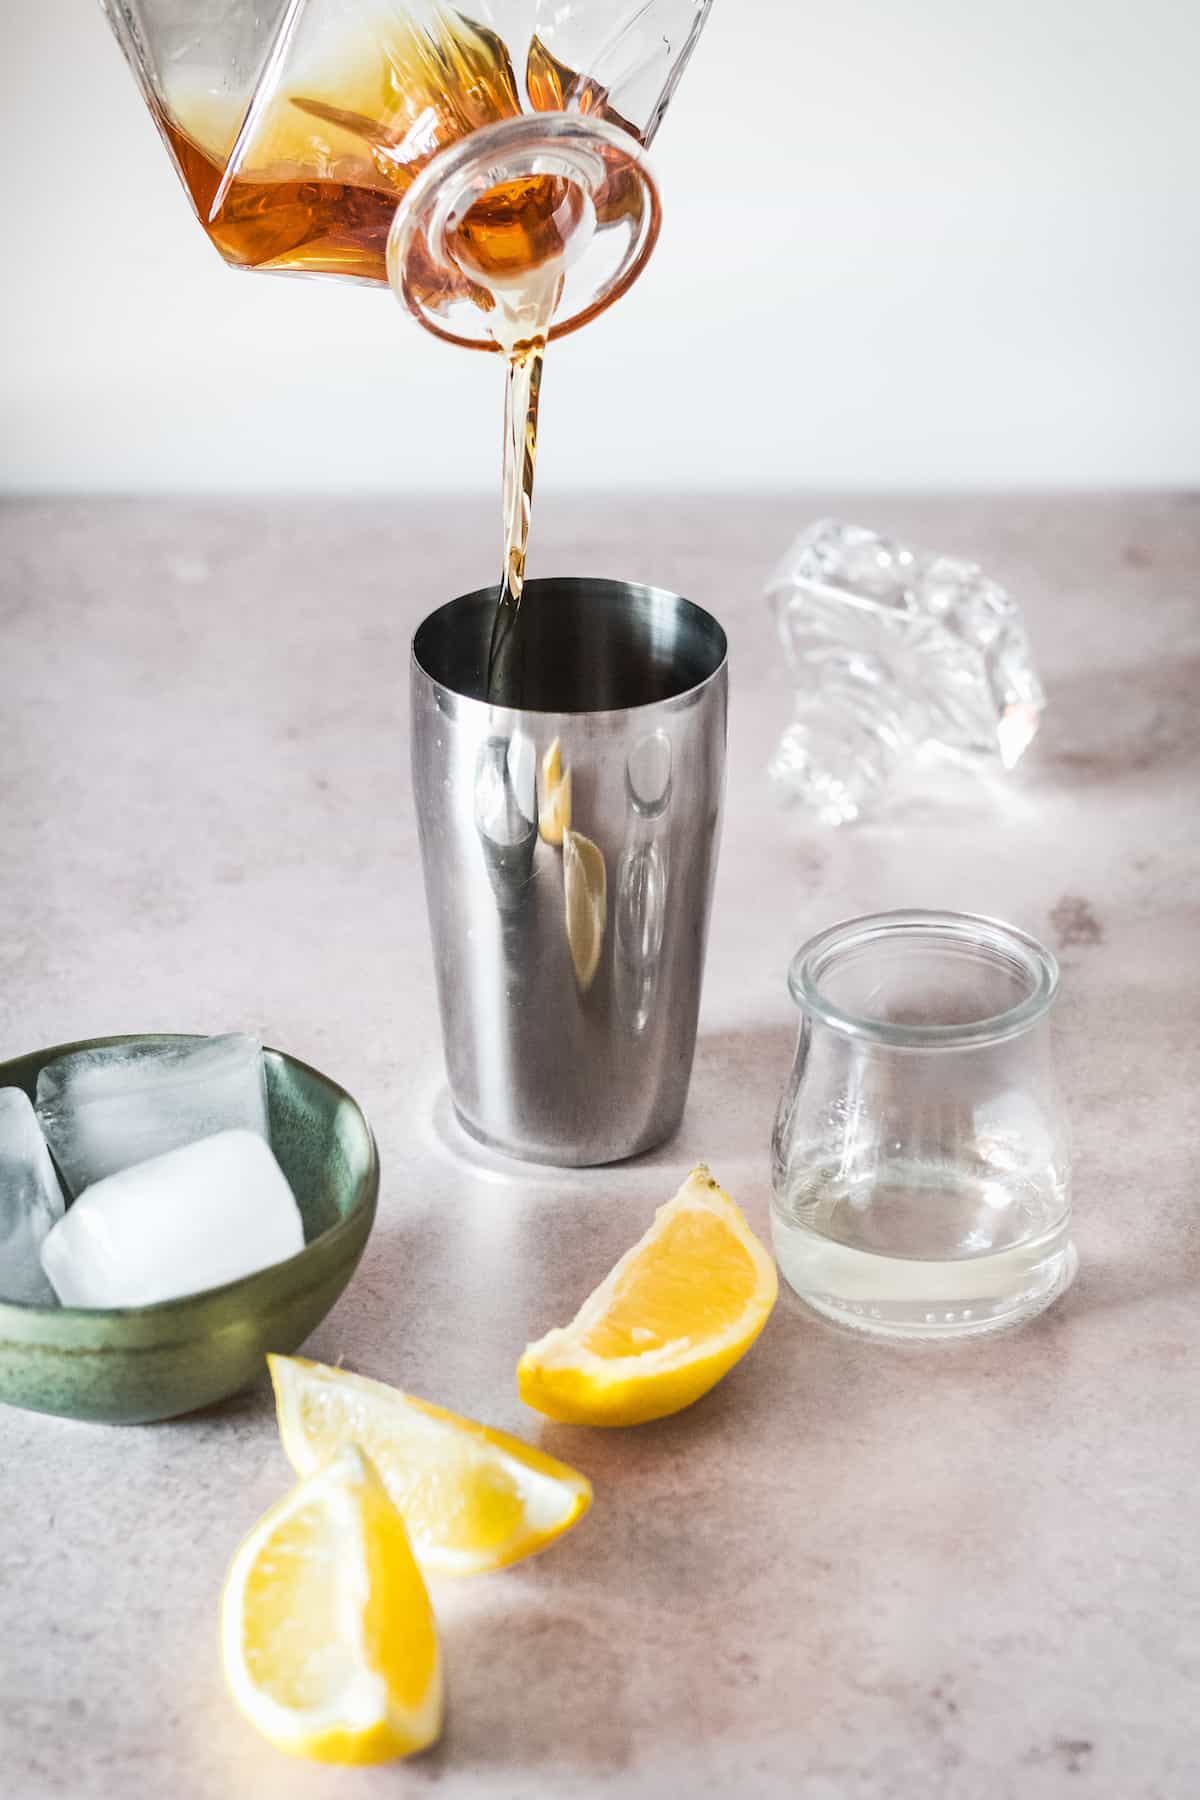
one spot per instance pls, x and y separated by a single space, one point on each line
960 246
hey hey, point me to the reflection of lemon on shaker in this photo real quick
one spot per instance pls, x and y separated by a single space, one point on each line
554 812
585 883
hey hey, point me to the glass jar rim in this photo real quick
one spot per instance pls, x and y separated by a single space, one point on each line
974 931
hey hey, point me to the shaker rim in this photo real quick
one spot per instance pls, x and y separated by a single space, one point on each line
608 588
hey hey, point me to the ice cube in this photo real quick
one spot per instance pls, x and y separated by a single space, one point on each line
192 1219
31 1200
105 1109
895 653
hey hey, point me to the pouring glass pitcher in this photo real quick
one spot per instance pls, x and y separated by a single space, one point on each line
404 140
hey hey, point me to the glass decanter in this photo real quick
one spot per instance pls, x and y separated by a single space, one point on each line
448 152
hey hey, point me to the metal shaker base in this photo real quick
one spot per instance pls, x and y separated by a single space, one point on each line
565 1160
568 850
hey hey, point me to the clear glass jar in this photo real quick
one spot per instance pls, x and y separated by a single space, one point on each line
921 1154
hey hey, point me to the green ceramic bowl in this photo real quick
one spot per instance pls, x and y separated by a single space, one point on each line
125 1365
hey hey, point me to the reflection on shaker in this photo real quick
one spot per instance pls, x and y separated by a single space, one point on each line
585 886
554 803
648 775
506 813
641 915
642 877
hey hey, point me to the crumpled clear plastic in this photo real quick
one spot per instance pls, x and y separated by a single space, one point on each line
898 655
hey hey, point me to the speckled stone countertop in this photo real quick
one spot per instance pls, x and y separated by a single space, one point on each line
854 1572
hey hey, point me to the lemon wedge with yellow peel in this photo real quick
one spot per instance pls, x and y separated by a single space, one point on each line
327 1634
473 1499
585 884
671 1318
554 812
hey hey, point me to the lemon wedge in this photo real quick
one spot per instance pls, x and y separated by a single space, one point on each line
473 1499
662 1328
585 884
327 1634
554 813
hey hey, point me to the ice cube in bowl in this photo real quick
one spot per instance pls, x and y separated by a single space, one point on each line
31 1200
126 1365
195 1218
112 1105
